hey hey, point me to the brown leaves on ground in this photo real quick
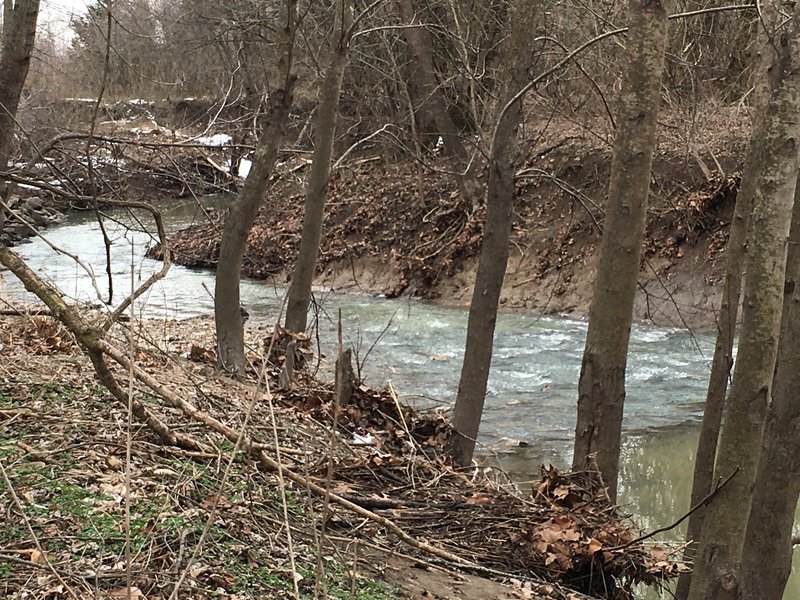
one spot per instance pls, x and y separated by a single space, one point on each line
40 335
581 541
374 209
68 471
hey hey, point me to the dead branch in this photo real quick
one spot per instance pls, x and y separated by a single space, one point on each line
89 337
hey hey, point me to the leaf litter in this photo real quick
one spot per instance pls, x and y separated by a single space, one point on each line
63 441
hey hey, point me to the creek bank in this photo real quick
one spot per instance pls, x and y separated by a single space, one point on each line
133 158
401 228
31 213
69 480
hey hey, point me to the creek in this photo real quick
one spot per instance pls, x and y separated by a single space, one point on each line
418 347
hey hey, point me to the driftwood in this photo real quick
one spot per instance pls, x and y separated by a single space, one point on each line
287 372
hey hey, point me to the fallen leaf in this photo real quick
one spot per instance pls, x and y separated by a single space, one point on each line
594 547
122 592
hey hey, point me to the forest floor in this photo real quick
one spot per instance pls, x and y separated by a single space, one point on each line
400 227
393 520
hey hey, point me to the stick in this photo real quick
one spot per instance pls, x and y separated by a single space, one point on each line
696 507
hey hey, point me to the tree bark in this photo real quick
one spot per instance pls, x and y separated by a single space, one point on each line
18 37
493 258
431 103
316 189
767 555
716 573
243 212
722 363
601 388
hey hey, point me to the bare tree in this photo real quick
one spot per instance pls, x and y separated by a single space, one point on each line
431 104
493 258
319 177
722 363
767 555
601 389
243 211
18 36
776 164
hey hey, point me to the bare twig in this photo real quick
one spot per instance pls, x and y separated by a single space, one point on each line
704 501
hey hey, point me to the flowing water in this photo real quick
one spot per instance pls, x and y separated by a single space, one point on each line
418 347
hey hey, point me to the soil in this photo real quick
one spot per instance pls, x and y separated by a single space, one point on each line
399 227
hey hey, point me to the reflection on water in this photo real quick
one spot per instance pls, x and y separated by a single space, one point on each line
419 347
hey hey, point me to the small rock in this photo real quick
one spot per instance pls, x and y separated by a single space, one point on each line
34 203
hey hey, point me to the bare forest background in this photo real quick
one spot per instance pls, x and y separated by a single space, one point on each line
616 160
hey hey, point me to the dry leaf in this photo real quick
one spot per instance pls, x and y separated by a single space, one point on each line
122 592
659 554
594 546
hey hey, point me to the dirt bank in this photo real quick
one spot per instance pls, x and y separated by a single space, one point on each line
401 227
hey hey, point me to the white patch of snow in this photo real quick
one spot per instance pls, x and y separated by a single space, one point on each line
363 440
98 161
218 139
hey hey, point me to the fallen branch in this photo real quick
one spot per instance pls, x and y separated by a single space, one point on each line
696 507
89 337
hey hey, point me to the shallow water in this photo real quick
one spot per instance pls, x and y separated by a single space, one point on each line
419 347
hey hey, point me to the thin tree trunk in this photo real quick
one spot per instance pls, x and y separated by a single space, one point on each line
243 212
720 546
493 258
316 189
432 101
18 37
767 555
722 363
601 388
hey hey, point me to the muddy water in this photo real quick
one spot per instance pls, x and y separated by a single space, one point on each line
530 408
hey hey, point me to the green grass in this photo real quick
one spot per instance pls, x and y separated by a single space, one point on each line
74 517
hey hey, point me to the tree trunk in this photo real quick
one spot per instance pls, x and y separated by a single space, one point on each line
243 212
431 103
767 554
722 362
721 365
18 37
493 257
239 221
601 388
318 179
776 164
